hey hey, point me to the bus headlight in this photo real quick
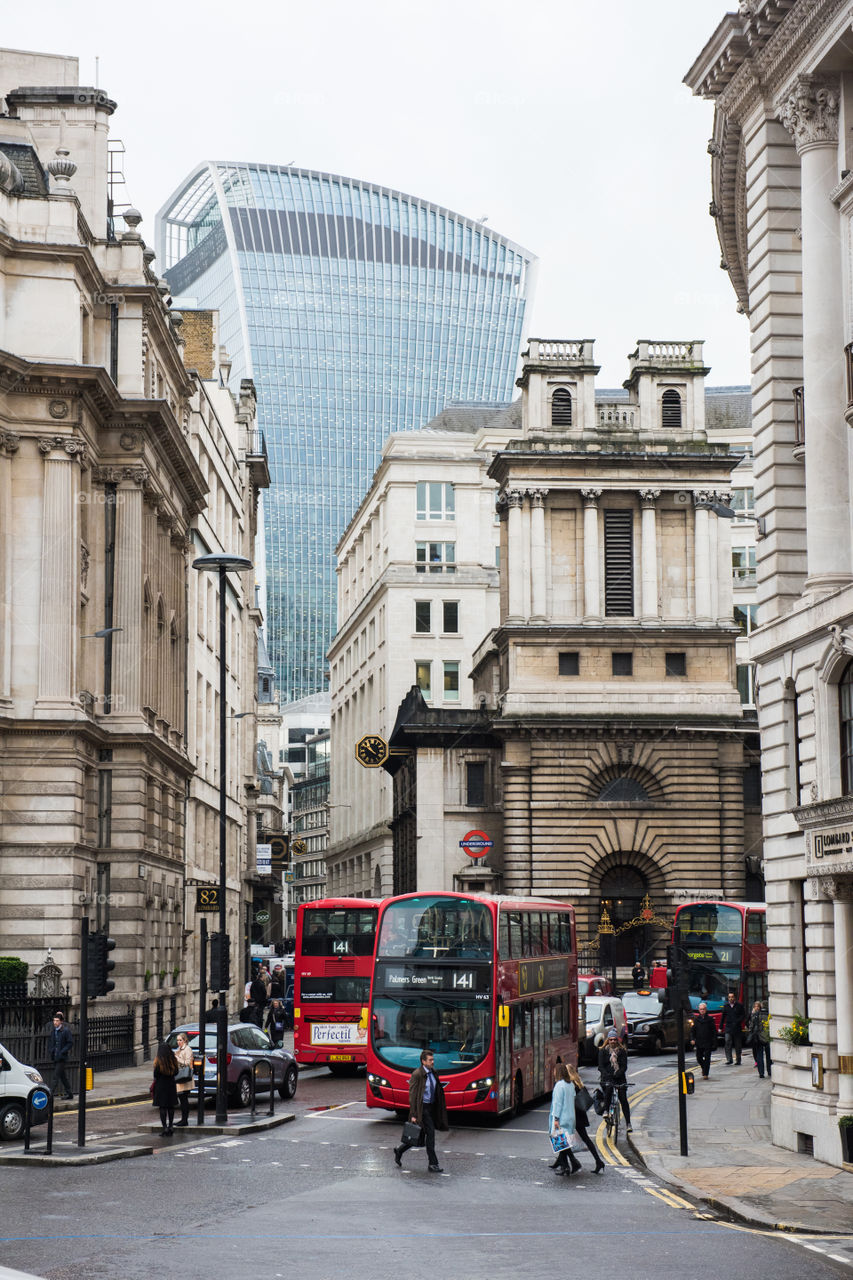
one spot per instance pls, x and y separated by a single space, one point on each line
481 1084
380 1081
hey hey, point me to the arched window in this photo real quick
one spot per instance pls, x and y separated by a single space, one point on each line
845 710
671 410
561 408
623 789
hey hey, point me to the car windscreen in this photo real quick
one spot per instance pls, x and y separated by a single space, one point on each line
593 1010
642 1004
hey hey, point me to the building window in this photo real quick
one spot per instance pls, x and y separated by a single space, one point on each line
450 617
676 664
568 664
439 556
743 504
622 664
423 678
423 616
451 682
436 501
671 410
746 617
746 683
619 564
845 707
475 783
743 566
561 408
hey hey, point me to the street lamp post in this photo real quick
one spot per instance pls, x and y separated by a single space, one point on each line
222 564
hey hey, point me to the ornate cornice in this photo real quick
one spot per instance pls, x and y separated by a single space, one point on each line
809 111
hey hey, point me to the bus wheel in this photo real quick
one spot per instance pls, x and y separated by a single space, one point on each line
517 1095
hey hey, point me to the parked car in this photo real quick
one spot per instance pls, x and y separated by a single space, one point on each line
602 1012
16 1081
651 1027
594 984
247 1044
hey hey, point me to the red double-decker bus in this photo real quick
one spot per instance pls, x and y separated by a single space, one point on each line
488 984
725 947
333 966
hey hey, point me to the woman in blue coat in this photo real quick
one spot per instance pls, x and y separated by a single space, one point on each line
562 1116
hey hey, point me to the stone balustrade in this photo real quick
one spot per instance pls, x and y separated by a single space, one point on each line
616 413
577 350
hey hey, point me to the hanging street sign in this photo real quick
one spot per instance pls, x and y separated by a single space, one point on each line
299 847
476 844
278 852
263 863
262 917
207 897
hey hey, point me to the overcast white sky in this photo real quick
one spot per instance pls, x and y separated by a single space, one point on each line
565 122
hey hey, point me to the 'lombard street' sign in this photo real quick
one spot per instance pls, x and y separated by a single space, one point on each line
830 850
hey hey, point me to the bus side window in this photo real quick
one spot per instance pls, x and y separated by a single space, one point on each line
517 1027
515 934
503 937
755 927
525 934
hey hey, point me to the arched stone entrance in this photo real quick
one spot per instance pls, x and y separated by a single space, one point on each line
621 891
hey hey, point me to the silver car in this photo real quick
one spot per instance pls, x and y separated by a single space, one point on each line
247 1044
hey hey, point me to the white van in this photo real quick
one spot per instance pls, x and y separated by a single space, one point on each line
602 1013
16 1081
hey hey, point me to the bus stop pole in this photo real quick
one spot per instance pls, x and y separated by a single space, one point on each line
202 1025
683 998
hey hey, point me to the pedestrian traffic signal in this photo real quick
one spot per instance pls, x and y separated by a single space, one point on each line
688 1084
220 962
99 965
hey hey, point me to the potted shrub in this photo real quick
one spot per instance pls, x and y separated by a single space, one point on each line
162 977
797 1032
845 1128
13 977
175 973
146 978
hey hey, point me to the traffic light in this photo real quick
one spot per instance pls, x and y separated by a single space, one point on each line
220 962
677 987
688 1084
99 965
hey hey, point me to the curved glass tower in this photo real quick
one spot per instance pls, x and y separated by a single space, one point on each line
357 311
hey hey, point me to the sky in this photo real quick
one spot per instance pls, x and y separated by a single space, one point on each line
563 122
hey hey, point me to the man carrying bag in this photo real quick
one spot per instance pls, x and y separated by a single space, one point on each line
427 1110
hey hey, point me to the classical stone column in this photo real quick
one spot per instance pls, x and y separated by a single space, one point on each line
59 552
515 567
127 611
810 114
516 775
9 445
538 567
591 570
649 555
702 556
841 892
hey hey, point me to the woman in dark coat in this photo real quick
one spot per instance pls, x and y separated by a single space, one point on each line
165 1088
612 1066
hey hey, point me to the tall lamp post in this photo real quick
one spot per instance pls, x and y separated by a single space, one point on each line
222 564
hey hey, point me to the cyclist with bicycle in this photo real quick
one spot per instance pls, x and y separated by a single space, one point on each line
612 1068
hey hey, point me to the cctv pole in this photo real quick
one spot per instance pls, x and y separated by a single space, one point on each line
82 1031
202 1025
679 986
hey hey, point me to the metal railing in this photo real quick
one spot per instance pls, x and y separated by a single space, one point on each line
266 1063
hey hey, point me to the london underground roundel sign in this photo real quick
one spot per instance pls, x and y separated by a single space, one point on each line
476 844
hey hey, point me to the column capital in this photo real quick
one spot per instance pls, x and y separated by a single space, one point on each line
10 442
648 497
537 496
810 111
838 888
591 497
514 497
702 498
118 475
69 445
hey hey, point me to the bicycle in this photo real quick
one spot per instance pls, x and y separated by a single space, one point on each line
610 1115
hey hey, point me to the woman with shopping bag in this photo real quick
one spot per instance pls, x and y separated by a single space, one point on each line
561 1123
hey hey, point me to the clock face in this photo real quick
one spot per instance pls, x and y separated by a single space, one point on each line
371 751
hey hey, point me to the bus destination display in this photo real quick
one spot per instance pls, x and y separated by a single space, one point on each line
464 979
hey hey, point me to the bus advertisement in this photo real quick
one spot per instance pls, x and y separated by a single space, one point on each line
333 967
488 984
725 949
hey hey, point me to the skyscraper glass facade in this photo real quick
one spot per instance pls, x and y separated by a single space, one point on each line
357 311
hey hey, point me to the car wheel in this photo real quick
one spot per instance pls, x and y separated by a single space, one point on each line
656 1047
11 1122
287 1088
243 1092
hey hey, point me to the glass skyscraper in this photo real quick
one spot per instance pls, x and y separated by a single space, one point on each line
357 311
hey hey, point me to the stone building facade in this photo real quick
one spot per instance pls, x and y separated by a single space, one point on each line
110 449
780 74
606 697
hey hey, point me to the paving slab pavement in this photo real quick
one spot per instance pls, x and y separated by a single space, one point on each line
732 1164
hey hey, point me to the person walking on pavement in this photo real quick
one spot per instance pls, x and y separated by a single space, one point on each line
165 1089
758 1038
276 1022
638 976
704 1037
58 1048
731 1026
258 992
184 1082
426 1108
562 1117
582 1120
612 1068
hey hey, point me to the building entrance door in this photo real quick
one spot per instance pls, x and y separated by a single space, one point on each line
621 891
